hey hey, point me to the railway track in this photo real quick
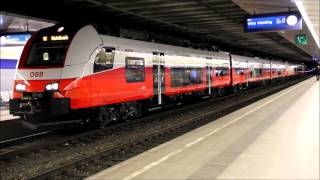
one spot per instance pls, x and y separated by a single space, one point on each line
29 143
14 141
89 164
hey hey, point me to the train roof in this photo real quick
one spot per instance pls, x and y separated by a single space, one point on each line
149 47
143 46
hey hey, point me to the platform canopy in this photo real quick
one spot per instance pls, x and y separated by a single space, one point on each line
217 21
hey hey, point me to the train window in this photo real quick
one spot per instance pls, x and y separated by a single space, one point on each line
221 71
135 69
239 71
195 76
177 77
185 76
218 72
258 72
47 54
104 59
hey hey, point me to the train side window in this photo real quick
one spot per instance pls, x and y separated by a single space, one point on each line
222 72
104 59
217 71
177 77
239 71
134 69
185 76
225 71
258 72
195 76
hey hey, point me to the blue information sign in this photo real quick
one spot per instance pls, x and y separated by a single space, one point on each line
19 37
273 22
14 39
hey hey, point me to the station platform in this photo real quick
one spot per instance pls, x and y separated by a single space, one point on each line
6 116
274 138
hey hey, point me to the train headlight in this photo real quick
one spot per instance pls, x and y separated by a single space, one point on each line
20 87
52 86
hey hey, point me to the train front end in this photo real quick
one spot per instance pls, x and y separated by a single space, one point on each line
51 82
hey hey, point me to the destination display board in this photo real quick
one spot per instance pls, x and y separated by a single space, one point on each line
273 22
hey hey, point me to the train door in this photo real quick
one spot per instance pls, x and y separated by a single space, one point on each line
247 74
209 78
230 70
270 70
158 73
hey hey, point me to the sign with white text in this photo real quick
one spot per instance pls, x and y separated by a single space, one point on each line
273 22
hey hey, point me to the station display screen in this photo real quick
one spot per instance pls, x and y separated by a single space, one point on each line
273 22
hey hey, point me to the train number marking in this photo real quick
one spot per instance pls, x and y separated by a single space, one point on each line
36 74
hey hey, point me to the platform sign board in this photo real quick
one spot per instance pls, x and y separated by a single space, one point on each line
301 39
14 39
273 22
11 47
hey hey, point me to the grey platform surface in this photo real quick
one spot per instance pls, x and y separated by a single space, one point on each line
274 138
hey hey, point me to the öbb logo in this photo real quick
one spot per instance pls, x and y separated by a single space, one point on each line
36 74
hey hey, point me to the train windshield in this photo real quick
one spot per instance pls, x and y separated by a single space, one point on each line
47 54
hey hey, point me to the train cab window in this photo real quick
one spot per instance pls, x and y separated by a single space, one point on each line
134 69
104 59
47 54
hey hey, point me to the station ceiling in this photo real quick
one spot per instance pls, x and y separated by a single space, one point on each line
15 23
218 21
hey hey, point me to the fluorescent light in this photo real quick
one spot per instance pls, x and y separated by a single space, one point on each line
60 29
305 16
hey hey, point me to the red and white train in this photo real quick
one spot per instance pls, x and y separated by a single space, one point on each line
74 73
